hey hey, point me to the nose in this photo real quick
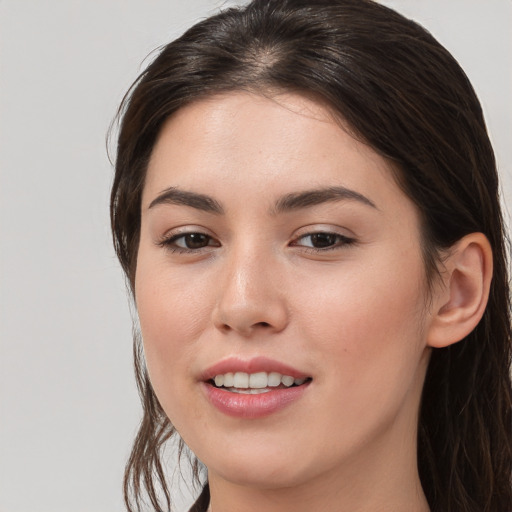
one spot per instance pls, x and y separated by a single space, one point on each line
251 298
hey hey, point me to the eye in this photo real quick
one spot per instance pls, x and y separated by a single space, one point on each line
189 242
322 241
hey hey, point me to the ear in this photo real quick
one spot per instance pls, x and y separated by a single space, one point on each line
460 298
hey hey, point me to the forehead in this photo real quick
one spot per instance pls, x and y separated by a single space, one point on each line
262 144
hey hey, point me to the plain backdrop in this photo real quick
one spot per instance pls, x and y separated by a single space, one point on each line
68 403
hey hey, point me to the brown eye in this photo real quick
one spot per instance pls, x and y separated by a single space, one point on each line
193 241
323 240
189 242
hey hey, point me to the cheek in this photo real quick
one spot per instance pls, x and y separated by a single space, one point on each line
170 322
171 316
367 338
169 304
370 319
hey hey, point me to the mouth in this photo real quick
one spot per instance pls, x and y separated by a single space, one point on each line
255 383
255 388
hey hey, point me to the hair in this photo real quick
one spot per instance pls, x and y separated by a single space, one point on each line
403 94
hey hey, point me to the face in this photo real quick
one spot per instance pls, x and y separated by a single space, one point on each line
281 292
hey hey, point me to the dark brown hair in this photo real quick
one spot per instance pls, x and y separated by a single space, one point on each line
403 94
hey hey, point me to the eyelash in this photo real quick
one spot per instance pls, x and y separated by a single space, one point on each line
169 242
341 241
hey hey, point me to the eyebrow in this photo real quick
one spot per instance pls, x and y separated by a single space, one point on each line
308 198
174 195
286 203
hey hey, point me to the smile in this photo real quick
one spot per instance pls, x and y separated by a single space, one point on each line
253 389
255 383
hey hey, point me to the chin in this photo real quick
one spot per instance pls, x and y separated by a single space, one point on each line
264 476
264 469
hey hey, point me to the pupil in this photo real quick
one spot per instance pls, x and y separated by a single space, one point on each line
196 240
323 239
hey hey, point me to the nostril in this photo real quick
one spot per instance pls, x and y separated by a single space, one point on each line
247 317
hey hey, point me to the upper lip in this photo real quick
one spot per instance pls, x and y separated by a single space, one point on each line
254 365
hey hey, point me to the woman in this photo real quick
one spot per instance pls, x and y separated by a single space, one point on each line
306 207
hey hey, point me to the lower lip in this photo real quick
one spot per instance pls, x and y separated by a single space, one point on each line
242 405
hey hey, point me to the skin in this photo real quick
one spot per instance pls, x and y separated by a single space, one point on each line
352 315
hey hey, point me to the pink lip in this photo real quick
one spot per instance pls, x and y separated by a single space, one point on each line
254 365
250 406
241 405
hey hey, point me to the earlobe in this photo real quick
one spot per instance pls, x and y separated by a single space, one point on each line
460 299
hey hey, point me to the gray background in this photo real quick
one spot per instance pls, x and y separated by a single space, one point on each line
68 404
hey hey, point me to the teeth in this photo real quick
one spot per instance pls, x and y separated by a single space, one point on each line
274 379
287 380
255 382
248 391
258 380
241 380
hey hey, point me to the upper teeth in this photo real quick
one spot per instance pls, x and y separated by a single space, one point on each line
255 380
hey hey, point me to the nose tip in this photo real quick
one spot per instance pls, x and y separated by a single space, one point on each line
249 303
247 320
